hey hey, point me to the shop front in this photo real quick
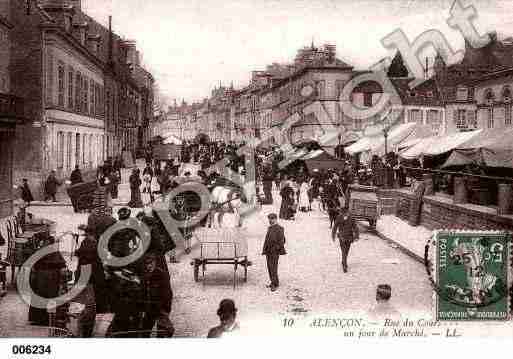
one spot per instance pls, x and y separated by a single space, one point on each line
11 111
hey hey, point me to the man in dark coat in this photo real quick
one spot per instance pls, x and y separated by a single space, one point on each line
26 194
51 185
160 240
274 247
157 296
347 230
267 179
76 176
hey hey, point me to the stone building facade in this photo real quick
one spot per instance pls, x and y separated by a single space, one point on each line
86 93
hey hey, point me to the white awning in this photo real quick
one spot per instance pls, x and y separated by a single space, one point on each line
312 154
395 136
376 144
361 145
437 145
172 140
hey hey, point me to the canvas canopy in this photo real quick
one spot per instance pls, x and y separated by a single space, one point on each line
492 148
433 146
172 139
376 144
395 136
321 160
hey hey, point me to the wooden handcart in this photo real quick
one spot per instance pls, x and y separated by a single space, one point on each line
82 194
221 246
363 204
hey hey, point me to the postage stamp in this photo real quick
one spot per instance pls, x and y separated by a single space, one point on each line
473 275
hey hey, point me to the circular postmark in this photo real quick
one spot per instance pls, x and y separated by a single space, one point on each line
470 270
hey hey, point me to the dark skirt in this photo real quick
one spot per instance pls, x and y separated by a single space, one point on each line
286 211
135 199
45 283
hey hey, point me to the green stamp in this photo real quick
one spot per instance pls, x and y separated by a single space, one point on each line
473 275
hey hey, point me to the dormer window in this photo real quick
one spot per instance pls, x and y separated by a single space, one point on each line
462 93
506 94
489 97
411 93
429 94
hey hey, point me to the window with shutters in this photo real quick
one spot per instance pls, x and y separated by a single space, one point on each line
415 116
462 93
78 93
77 149
84 146
60 149
472 119
60 84
461 119
49 78
85 106
69 140
339 85
90 150
507 114
70 89
92 97
321 89
489 117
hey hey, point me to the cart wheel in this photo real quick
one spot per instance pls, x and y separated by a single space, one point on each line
196 271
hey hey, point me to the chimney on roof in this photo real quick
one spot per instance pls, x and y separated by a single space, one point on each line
138 58
93 43
131 51
80 32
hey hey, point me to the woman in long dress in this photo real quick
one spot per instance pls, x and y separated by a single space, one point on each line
287 200
304 200
45 281
135 190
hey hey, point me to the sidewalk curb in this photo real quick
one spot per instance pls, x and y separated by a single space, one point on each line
400 247
66 204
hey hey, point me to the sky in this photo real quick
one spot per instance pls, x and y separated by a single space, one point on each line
191 46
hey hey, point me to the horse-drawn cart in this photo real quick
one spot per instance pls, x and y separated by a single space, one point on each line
363 204
221 246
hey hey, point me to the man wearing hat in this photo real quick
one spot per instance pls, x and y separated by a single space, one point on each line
227 314
347 230
274 247
157 298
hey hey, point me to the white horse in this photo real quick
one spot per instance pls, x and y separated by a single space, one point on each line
225 200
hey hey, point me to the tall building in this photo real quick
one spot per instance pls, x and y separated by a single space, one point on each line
11 113
86 95
458 83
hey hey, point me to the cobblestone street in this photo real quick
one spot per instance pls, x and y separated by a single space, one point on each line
311 277
312 283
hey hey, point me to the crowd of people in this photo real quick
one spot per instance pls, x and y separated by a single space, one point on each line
140 293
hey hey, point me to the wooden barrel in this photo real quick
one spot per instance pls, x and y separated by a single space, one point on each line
460 190
428 182
504 199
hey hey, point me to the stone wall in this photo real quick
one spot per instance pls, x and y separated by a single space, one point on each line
439 212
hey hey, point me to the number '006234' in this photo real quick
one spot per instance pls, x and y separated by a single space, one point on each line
31 349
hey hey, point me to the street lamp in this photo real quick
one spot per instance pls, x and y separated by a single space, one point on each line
385 133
